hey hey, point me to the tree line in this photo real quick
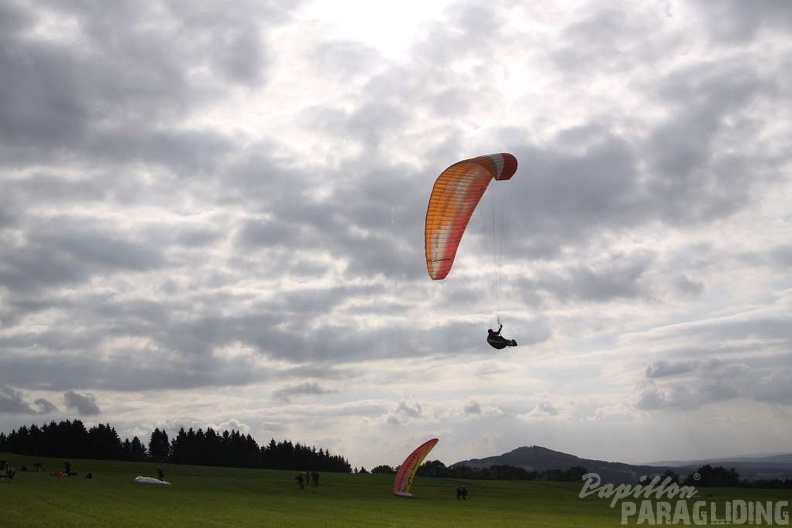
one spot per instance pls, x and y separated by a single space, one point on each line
435 468
705 476
71 439
719 476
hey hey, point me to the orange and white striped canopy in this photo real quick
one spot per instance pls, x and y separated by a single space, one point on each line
455 195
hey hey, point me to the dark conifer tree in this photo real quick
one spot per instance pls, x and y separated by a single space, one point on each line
159 447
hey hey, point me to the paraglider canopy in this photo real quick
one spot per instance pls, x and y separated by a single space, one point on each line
455 195
402 483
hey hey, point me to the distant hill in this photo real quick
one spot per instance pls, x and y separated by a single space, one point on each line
540 458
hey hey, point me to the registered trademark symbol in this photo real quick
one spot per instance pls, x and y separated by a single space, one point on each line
696 476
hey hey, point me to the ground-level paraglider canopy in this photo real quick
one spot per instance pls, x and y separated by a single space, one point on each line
152 481
406 473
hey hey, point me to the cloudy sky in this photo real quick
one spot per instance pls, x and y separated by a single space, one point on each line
212 216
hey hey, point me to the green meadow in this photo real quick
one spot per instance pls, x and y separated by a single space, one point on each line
211 496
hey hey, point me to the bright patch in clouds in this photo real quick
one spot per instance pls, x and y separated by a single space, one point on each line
389 27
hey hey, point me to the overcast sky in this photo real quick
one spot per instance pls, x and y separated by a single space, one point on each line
212 216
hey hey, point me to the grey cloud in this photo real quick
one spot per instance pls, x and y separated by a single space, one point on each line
194 236
236 48
84 404
44 406
63 197
389 101
60 100
385 230
688 286
770 328
617 277
412 410
718 391
380 241
775 387
321 371
76 365
48 188
63 252
15 307
371 123
184 346
186 152
404 412
267 186
605 40
762 378
651 400
546 408
266 233
14 19
780 256
34 112
100 249
620 280
304 389
226 41
9 216
569 195
662 369
689 181
274 428
721 370
30 268
13 402
466 29
737 22
678 397
591 180
472 409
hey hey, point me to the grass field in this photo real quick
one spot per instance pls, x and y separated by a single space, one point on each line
205 496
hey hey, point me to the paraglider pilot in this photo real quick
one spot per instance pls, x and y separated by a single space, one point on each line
493 333
496 340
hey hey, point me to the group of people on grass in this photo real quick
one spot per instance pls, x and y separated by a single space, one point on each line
303 478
